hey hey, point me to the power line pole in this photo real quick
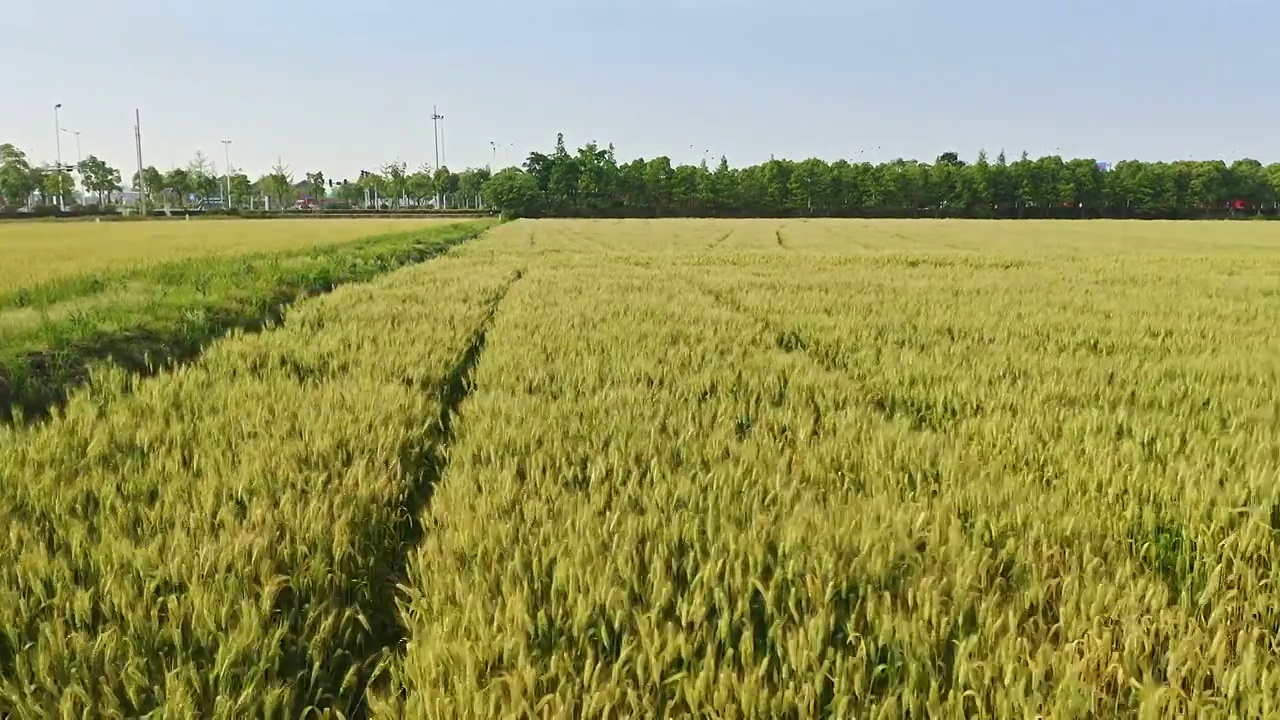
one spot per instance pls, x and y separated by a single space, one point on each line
437 135
57 136
226 149
436 117
142 179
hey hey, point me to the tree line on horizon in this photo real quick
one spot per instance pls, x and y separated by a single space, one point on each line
591 182
391 186
20 181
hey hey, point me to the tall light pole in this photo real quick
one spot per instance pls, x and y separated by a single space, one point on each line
493 144
79 155
57 135
506 154
226 151
142 180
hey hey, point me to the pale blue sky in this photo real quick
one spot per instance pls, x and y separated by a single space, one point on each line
344 86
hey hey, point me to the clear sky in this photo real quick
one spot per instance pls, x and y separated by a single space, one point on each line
340 86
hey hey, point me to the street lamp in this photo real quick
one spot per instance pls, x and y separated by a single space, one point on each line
226 151
57 135
79 155
494 145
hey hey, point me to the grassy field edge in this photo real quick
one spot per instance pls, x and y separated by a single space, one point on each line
177 308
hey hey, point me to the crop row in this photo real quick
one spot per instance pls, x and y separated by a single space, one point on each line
843 485
223 540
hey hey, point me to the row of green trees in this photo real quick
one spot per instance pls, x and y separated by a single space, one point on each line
198 183
395 186
20 180
389 187
591 182
392 186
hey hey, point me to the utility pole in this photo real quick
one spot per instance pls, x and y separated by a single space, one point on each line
142 180
226 150
436 134
436 117
57 136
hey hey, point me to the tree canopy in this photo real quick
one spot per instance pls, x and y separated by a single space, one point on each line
592 182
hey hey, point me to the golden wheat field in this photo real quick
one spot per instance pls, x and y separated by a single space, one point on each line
36 252
733 469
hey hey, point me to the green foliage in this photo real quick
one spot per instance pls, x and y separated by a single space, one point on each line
315 185
471 182
56 183
514 193
278 185
17 180
176 187
445 180
394 185
99 177
241 189
590 183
